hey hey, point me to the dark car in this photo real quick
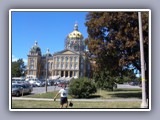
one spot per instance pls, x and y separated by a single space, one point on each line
21 89
50 82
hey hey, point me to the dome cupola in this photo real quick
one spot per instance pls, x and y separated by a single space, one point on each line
35 50
75 33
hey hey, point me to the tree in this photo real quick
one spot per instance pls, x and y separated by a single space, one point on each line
104 80
114 40
18 68
81 88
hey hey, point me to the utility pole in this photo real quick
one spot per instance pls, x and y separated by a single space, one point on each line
46 70
144 101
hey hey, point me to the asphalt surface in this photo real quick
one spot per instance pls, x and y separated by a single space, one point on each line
37 90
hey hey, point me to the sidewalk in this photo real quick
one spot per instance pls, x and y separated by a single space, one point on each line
92 100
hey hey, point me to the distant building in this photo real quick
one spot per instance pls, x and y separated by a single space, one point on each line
66 64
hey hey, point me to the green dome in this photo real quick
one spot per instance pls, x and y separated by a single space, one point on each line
47 53
36 48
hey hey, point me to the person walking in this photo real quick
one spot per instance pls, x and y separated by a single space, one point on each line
63 100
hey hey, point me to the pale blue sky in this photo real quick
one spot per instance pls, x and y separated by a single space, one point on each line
48 28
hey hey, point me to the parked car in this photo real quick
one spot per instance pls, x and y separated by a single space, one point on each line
56 82
38 83
43 82
21 89
61 84
50 82
134 83
32 82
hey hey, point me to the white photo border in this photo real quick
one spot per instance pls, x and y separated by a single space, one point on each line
77 10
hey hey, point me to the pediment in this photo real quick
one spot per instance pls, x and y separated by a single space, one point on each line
66 52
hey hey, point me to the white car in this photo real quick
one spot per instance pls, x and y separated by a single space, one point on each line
38 83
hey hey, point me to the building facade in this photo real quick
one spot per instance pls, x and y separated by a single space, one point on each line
66 64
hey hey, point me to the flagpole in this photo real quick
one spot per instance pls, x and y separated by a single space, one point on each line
144 101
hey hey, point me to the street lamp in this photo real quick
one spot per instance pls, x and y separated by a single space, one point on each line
144 101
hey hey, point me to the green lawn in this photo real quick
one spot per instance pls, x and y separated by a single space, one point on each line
117 93
102 94
77 104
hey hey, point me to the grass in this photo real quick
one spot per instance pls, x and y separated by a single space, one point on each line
52 105
120 93
102 94
117 93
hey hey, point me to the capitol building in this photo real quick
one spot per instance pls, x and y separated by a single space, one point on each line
69 63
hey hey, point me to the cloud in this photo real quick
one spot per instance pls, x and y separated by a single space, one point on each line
14 58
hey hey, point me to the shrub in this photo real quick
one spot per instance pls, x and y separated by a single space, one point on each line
81 88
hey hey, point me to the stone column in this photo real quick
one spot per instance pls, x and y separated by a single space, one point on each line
69 73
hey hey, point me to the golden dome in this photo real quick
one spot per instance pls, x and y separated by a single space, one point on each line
75 33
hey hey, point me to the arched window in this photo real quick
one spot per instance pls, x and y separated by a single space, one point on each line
62 59
58 59
70 59
66 59
32 61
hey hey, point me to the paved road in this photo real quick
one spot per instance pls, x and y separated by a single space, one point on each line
126 86
37 90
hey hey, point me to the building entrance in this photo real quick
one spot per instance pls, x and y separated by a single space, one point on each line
71 73
62 73
66 74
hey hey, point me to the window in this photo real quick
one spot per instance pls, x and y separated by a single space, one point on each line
57 65
66 65
62 65
58 59
31 67
32 61
81 66
70 66
62 59
75 59
75 66
70 59
31 72
88 66
66 59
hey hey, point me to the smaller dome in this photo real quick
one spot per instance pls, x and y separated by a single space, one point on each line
47 53
36 48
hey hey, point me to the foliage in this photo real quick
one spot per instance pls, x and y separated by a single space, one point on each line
81 88
18 68
104 80
114 40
